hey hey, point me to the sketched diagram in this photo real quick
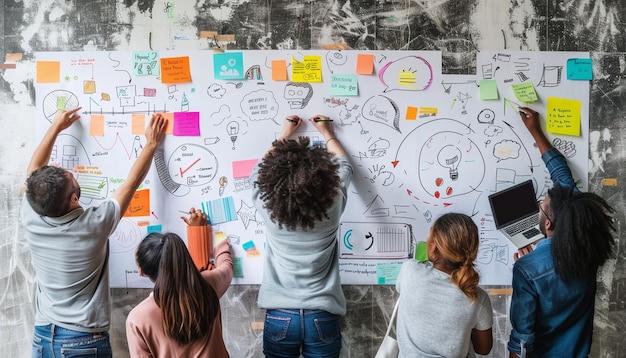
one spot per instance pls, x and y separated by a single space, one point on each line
125 237
188 165
57 101
374 240
448 162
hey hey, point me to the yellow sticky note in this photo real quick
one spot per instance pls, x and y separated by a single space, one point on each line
48 72
96 125
364 64
307 70
525 92
563 116
138 125
411 113
279 70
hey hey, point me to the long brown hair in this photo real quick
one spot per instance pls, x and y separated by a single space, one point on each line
188 304
456 238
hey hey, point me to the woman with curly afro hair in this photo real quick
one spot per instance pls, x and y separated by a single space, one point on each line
300 190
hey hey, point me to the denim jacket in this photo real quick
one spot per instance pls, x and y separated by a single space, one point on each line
550 317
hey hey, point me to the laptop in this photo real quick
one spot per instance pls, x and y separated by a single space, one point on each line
516 213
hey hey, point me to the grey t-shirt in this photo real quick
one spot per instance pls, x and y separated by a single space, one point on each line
71 259
301 268
435 318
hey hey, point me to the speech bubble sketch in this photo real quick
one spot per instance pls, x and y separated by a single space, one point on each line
411 73
259 105
216 90
493 130
383 110
222 114
506 149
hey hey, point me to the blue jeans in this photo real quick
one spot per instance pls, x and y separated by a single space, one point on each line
52 341
288 332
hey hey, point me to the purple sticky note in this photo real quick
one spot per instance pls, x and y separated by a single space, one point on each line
186 123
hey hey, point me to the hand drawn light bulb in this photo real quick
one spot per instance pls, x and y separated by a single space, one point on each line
223 181
233 130
450 157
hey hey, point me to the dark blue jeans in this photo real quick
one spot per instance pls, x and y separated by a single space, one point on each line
289 332
56 342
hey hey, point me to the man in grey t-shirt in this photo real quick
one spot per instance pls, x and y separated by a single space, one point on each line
69 246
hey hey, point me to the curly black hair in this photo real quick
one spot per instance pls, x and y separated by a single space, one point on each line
298 183
583 239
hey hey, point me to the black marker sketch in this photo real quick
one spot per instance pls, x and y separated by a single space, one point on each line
346 115
223 182
376 149
374 240
568 148
246 213
130 78
58 100
447 85
335 59
232 129
382 109
188 165
486 116
489 252
298 94
254 73
379 175
376 208
259 105
550 76
216 90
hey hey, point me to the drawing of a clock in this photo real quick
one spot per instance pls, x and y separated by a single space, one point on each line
192 165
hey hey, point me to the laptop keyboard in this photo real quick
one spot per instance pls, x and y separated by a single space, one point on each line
523 225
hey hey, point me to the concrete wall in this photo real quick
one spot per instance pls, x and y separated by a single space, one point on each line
459 28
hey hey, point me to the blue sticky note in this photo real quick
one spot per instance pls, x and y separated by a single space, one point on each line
387 273
228 66
146 63
579 69
154 228
344 85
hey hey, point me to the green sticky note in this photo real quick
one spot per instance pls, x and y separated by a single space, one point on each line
579 69
525 92
237 267
344 85
387 273
488 89
421 253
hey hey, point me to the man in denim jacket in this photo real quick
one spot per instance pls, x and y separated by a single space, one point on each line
554 285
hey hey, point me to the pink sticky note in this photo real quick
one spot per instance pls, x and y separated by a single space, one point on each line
186 123
243 168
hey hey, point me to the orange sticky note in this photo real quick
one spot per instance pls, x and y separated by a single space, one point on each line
364 64
139 204
138 125
96 125
411 113
175 70
279 70
48 71
169 127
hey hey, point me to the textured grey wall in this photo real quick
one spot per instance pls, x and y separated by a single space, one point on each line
459 28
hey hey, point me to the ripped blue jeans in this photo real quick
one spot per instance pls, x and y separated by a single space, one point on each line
52 341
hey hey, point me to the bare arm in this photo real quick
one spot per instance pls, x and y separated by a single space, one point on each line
155 132
531 121
482 341
62 120
333 144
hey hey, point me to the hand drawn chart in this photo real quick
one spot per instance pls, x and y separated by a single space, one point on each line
422 143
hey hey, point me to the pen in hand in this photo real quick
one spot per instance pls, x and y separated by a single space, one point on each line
322 120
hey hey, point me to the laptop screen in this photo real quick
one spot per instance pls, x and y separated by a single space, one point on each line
513 204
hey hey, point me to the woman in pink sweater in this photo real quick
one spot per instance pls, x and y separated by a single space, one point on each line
182 317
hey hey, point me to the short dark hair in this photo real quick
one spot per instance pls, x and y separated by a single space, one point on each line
298 183
48 191
582 240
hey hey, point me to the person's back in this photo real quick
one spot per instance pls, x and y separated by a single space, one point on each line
441 310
